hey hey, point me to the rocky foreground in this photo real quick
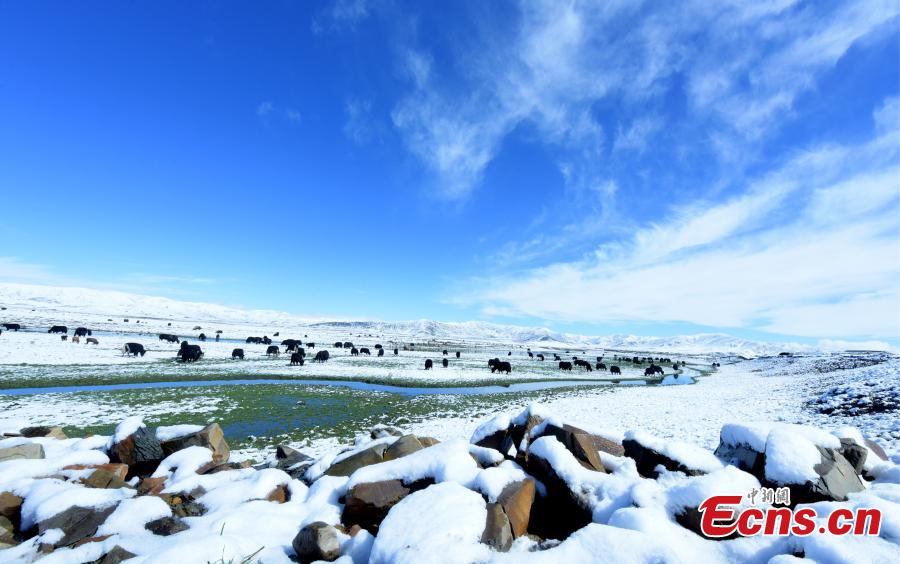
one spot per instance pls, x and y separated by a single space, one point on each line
526 487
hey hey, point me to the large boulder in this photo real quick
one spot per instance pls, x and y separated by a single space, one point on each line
579 442
140 450
11 507
855 454
104 479
497 532
516 500
650 453
836 479
76 522
407 444
210 437
7 531
350 464
22 452
559 512
317 541
367 505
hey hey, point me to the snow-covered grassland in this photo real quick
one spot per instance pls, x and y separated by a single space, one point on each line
838 393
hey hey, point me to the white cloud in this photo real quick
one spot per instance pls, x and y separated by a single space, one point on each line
264 109
292 115
358 121
341 14
745 64
811 249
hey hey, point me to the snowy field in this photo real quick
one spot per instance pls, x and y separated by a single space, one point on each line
850 393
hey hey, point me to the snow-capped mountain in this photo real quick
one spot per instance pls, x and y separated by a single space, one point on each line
33 302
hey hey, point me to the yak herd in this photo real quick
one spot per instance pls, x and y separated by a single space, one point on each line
192 353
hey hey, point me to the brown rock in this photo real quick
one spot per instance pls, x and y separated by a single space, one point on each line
104 479
117 555
11 507
561 511
43 431
7 531
367 505
405 445
497 532
349 465
151 486
279 495
119 470
516 500
100 538
210 437
579 442
428 441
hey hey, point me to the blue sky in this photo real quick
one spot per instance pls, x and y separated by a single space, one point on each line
591 166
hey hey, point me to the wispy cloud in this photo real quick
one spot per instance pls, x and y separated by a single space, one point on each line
810 249
265 108
743 64
358 123
341 14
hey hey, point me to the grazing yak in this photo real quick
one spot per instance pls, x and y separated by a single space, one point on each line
91 341
354 351
237 353
365 351
202 336
266 340
498 366
297 359
197 328
530 354
169 337
445 352
321 356
12 326
565 365
615 370
348 345
254 340
396 351
540 357
133 349
380 352
653 369
457 354
310 345
58 329
82 332
601 366
338 345
445 362
428 364
378 346
556 357
189 353
291 345
273 350
584 364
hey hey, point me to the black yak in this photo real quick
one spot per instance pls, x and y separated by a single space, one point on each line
237 353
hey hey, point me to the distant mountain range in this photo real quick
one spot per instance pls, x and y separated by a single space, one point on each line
70 302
